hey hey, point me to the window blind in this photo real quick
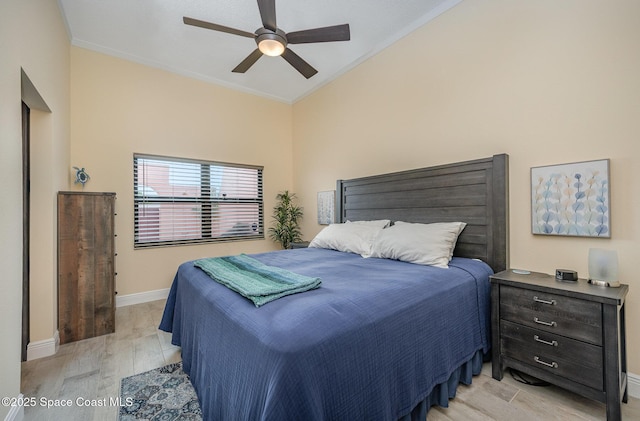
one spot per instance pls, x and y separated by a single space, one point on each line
187 201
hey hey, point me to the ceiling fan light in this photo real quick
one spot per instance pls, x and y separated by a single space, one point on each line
271 43
271 47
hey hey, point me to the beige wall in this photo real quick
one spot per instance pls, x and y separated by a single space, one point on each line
547 82
119 107
32 37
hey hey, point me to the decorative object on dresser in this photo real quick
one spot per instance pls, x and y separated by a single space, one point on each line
603 268
571 199
566 275
571 334
86 265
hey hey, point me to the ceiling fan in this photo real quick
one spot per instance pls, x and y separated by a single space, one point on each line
273 41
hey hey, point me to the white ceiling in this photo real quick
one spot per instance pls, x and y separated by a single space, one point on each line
151 32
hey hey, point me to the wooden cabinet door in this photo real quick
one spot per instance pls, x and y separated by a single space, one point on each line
86 253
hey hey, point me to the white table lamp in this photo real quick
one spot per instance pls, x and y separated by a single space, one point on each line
603 267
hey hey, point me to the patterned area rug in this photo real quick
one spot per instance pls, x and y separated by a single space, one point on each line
163 394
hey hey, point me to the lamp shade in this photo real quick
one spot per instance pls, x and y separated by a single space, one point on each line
271 47
603 267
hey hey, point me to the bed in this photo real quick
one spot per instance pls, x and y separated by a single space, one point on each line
380 339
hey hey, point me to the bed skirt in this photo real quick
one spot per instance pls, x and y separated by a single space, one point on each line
446 390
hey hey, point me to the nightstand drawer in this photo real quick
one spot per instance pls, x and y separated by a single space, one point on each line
555 346
566 366
574 318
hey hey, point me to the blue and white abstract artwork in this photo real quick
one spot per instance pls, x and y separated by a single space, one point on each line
571 199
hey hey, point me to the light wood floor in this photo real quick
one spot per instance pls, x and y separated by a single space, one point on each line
92 369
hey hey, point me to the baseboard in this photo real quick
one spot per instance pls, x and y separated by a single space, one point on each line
44 348
47 347
633 385
142 297
16 413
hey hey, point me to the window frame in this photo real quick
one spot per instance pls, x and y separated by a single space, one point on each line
205 200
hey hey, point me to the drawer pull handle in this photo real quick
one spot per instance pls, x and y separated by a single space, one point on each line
538 300
541 322
537 339
551 364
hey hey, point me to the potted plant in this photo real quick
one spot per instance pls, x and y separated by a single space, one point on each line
286 214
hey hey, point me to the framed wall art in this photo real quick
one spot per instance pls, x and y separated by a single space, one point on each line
326 207
571 199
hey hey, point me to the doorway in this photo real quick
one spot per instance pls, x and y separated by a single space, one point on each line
32 125
26 205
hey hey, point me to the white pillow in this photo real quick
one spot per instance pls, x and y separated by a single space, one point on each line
351 238
379 223
424 244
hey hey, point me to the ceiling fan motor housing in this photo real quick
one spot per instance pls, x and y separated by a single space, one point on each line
271 43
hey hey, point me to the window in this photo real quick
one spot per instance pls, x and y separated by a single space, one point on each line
187 201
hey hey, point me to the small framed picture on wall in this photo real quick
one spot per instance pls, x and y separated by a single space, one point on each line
326 207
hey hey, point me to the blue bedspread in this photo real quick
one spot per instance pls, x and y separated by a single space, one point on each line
370 343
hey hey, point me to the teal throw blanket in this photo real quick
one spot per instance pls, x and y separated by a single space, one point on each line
254 280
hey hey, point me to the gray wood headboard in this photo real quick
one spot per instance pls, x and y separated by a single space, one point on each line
475 192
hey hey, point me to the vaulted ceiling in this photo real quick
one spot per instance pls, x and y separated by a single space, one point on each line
152 32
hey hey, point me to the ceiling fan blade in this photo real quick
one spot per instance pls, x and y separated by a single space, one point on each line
268 13
216 27
248 62
326 34
298 63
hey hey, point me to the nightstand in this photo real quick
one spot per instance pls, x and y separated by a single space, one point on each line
571 334
299 245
